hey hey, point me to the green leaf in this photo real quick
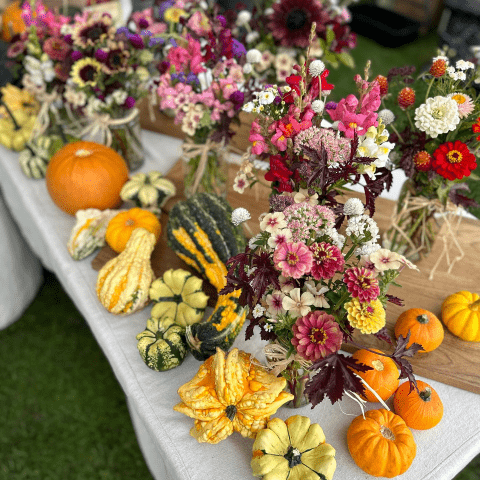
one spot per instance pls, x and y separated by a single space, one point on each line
330 35
346 59
330 58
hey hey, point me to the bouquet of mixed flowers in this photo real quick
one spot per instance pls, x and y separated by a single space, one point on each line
436 124
315 272
280 31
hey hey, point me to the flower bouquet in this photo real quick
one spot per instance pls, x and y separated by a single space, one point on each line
315 272
435 127
280 31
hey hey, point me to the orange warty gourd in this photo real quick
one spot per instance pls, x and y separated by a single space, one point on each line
381 444
12 22
461 315
426 329
85 175
383 377
421 410
123 224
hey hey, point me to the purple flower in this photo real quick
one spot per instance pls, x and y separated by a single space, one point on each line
192 78
277 100
129 102
143 23
137 41
76 55
124 30
331 105
237 98
173 42
163 7
155 41
222 20
238 48
68 39
101 55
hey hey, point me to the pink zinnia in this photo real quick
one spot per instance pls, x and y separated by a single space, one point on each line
327 260
316 335
56 48
362 284
293 259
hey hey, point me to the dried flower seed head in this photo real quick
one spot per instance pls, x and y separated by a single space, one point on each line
406 98
423 161
383 82
438 68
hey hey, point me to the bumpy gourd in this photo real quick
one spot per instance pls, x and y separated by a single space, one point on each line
293 449
88 234
220 329
34 158
231 393
15 134
179 295
381 444
461 315
123 282
148 190
201 233
162 344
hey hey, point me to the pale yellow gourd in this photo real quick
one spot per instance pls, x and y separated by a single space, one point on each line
123 282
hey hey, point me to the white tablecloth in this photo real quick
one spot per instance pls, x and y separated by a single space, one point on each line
164 434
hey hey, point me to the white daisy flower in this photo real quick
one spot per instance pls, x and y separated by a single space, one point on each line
265 98
258 311
248 107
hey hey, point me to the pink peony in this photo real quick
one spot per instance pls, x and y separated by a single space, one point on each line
293 259
316 335
362 284
327 260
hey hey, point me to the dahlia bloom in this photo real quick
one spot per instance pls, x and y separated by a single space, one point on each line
361 284
316 335
437 115
293 259
453 160
368 317
327 260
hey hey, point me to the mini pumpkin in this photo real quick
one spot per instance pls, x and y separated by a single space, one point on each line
124 223
162 344
461 315
383 376
179 295
148 190
123 282
426 329
420 410
381 444
231 393
85 175
293 449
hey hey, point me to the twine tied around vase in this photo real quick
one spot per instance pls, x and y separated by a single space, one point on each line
47 101
412 203
101 123
191 150
277 360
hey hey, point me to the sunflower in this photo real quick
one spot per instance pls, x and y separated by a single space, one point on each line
86 71
96 29
114 58
291 21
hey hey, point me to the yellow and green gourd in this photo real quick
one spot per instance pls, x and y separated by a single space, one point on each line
162 344
34 158
148 190
179 295
201 233
124 281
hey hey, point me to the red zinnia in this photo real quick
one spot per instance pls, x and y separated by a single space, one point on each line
453 160
327 260
423 161
476 127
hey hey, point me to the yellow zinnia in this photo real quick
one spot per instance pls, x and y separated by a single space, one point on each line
85 72
368 317
173 14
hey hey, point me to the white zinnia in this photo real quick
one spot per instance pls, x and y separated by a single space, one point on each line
386 116
437 115
243 18
316 68
254 56
353 206
318 106
240 215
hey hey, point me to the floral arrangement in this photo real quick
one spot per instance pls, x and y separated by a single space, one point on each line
280 31
435 122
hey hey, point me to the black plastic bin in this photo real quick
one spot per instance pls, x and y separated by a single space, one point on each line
383 26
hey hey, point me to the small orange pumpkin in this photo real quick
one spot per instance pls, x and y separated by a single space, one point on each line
85 175
123 224
383 377
381 444
426 329
12 21
420 410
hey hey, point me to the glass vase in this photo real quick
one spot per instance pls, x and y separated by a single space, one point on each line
414 228
297 379
205 167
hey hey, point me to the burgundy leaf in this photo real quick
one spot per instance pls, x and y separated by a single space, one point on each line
395 300
384 335
459 199
401 351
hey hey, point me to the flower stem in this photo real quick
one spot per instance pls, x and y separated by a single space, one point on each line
15 123
429 87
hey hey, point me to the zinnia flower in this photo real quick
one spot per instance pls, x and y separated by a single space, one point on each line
316 335
56 48
298 304
437 115
361 284
368 317
293 259
327 260
476 127
453 160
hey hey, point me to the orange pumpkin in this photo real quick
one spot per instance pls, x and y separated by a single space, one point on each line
381 444
85 175
426 329
420 410
383 377
123 224
12 21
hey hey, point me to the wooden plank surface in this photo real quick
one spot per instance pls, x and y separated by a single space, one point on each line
455 362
